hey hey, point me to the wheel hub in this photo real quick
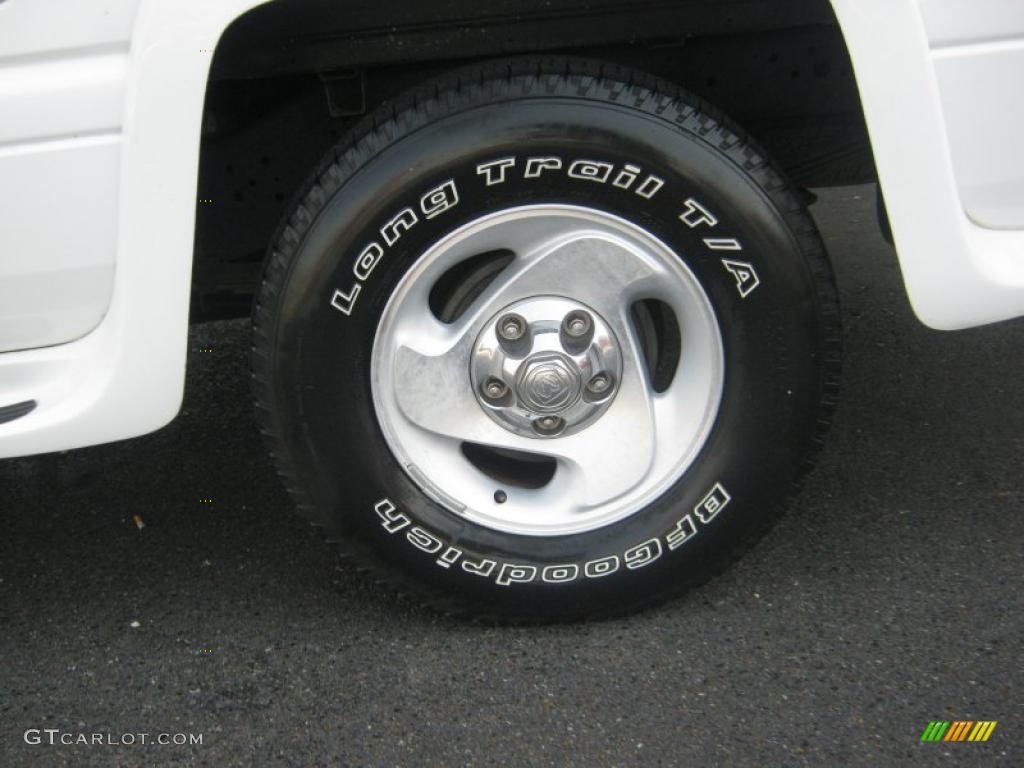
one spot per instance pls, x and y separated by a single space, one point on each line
545 367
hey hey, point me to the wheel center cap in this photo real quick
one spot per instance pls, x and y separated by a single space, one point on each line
545 367
548 382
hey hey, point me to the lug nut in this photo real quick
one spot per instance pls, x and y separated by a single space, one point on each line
548 425
599 384
577 324
511 327
577 331
495 389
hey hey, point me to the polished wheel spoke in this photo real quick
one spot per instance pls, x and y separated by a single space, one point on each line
596 269
613 455
433 394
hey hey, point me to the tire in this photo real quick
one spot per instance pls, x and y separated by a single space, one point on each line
366 423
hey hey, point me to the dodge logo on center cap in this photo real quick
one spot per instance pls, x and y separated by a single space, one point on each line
549 383
548 386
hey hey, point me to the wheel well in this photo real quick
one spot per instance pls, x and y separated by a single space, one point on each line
290 77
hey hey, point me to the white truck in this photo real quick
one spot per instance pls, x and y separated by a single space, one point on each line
542 328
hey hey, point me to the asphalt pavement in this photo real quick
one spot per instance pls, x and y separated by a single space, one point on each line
163 586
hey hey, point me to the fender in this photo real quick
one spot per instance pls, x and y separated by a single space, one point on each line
957 274
126 377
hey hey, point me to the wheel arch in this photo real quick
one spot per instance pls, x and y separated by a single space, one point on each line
957 274
778 67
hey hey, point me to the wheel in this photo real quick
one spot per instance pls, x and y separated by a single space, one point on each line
545 340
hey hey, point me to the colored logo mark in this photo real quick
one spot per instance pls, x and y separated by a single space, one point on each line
958 730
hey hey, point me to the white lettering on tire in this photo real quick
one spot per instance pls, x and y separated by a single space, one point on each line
391 518
723 243
696 214
590 170
508 574
367 260
555 574
684 531
404 221
535 166
603 566
433 202
481 568
439 199
494 171
714 502
344 301
450 556
518 574
424 540
744 274
642 554
445 196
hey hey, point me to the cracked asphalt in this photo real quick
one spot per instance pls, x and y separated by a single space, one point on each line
889 596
